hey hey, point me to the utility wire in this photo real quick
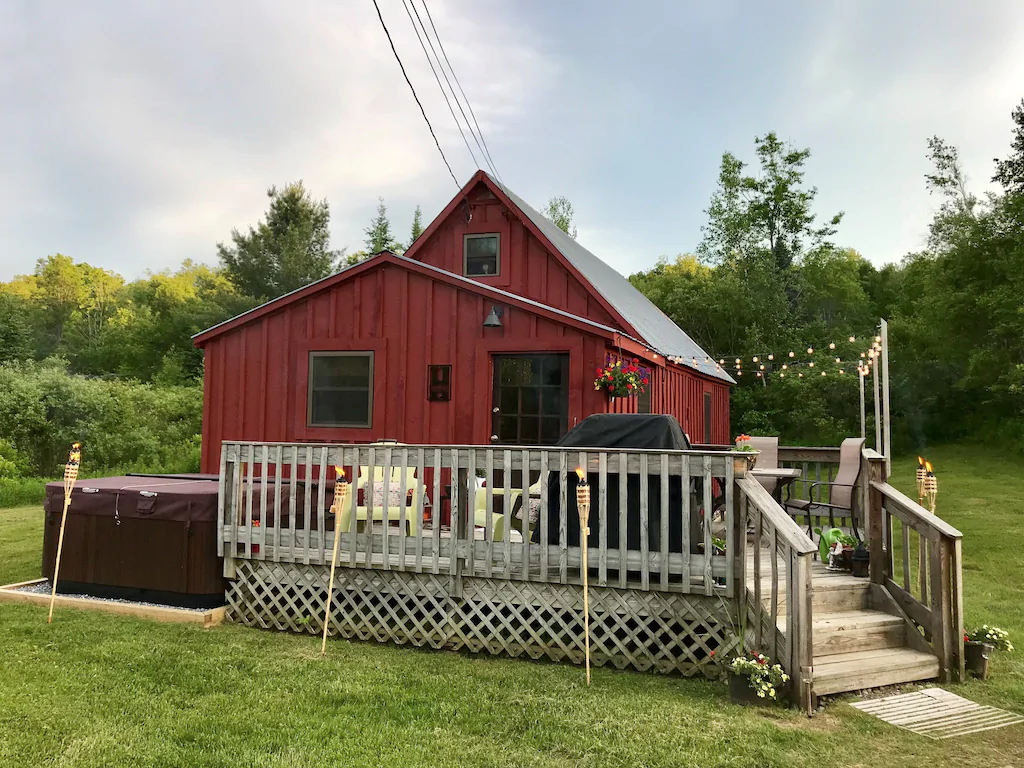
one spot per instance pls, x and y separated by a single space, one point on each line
444 93
486 149
477 136
418 102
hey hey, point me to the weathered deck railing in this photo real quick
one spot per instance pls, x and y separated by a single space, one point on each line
929 594
276 497
782 555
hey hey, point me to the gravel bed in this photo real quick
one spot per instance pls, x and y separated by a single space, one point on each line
44 587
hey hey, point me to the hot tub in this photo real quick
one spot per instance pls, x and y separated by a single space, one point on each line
151 538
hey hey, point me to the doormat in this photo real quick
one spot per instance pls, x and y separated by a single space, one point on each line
937 713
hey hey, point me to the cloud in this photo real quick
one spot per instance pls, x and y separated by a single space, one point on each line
144 135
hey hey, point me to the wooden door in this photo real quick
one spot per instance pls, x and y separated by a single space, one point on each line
530 402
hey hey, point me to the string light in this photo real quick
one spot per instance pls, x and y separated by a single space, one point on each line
832 345
755 358
853 339
762 367
811 364
838 360
792 354
759 374
771 357
823 373
784 366
810 350
782 375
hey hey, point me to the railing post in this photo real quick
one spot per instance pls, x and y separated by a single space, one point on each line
876 520
942 640
801 645
957 600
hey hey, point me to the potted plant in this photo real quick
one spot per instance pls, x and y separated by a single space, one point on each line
747 454
979 643
622 378
754 680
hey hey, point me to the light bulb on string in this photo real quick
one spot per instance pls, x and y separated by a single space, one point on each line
737 361
739 373
800 375
838 360
759 374
782 375
755 358
832 345
810 350
862 355
878 339
784 366
722 361
792 354
771 357
762 367
823 373
811 364
853 339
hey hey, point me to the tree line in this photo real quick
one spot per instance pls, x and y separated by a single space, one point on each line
768 276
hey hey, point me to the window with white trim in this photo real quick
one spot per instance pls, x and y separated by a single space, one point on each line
340 389
481 255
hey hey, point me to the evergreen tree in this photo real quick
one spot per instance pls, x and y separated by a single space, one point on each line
379 236
417 226
288 249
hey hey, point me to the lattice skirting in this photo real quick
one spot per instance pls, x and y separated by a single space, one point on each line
663 632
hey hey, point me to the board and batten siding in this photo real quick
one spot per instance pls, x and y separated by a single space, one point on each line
255 382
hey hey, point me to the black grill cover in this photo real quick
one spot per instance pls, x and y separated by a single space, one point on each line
626 431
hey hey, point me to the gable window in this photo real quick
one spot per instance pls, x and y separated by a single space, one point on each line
481 255
340 389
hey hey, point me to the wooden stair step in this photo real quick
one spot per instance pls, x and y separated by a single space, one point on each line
841 672
859 630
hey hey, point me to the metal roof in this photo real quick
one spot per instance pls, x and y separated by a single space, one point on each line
650 322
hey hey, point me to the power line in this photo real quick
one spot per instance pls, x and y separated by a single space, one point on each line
418 102
486 149
438 80
477 135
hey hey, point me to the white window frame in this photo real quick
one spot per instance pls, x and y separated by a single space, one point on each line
465 253
313 355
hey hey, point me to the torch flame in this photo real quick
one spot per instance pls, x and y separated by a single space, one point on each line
928 467
920 461
75 456
340 472
579 473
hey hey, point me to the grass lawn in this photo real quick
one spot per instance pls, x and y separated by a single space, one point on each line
103 690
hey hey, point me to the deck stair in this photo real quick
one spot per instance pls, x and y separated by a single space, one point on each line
855 645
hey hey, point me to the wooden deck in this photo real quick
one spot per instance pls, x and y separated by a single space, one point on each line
657 601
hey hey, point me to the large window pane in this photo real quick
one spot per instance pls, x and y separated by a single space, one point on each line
340 389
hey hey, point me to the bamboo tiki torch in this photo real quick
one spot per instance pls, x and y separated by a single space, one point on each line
340 495
70 478
583 506
931 486
921 471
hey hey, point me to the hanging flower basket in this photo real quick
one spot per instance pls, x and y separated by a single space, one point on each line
622 378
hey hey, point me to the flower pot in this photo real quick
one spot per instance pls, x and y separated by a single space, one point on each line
976 657
743 461
741 693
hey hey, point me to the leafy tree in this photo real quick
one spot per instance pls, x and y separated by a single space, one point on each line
560 212
379 236
1010 171
833 293
62 289
417 226
768 214
15 330
286 250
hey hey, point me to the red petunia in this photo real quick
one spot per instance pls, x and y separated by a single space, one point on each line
600 371
644 380
611 387
635 361
629 386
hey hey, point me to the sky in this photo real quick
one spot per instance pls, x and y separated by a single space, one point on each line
136 135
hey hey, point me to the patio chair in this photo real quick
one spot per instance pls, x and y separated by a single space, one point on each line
768 459
385 494
840 490
515 504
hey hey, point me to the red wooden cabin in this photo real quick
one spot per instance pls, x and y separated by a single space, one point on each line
488 330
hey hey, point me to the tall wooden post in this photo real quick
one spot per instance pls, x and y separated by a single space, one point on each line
876 524
886 431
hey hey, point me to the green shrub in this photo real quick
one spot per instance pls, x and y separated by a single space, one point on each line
123 425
